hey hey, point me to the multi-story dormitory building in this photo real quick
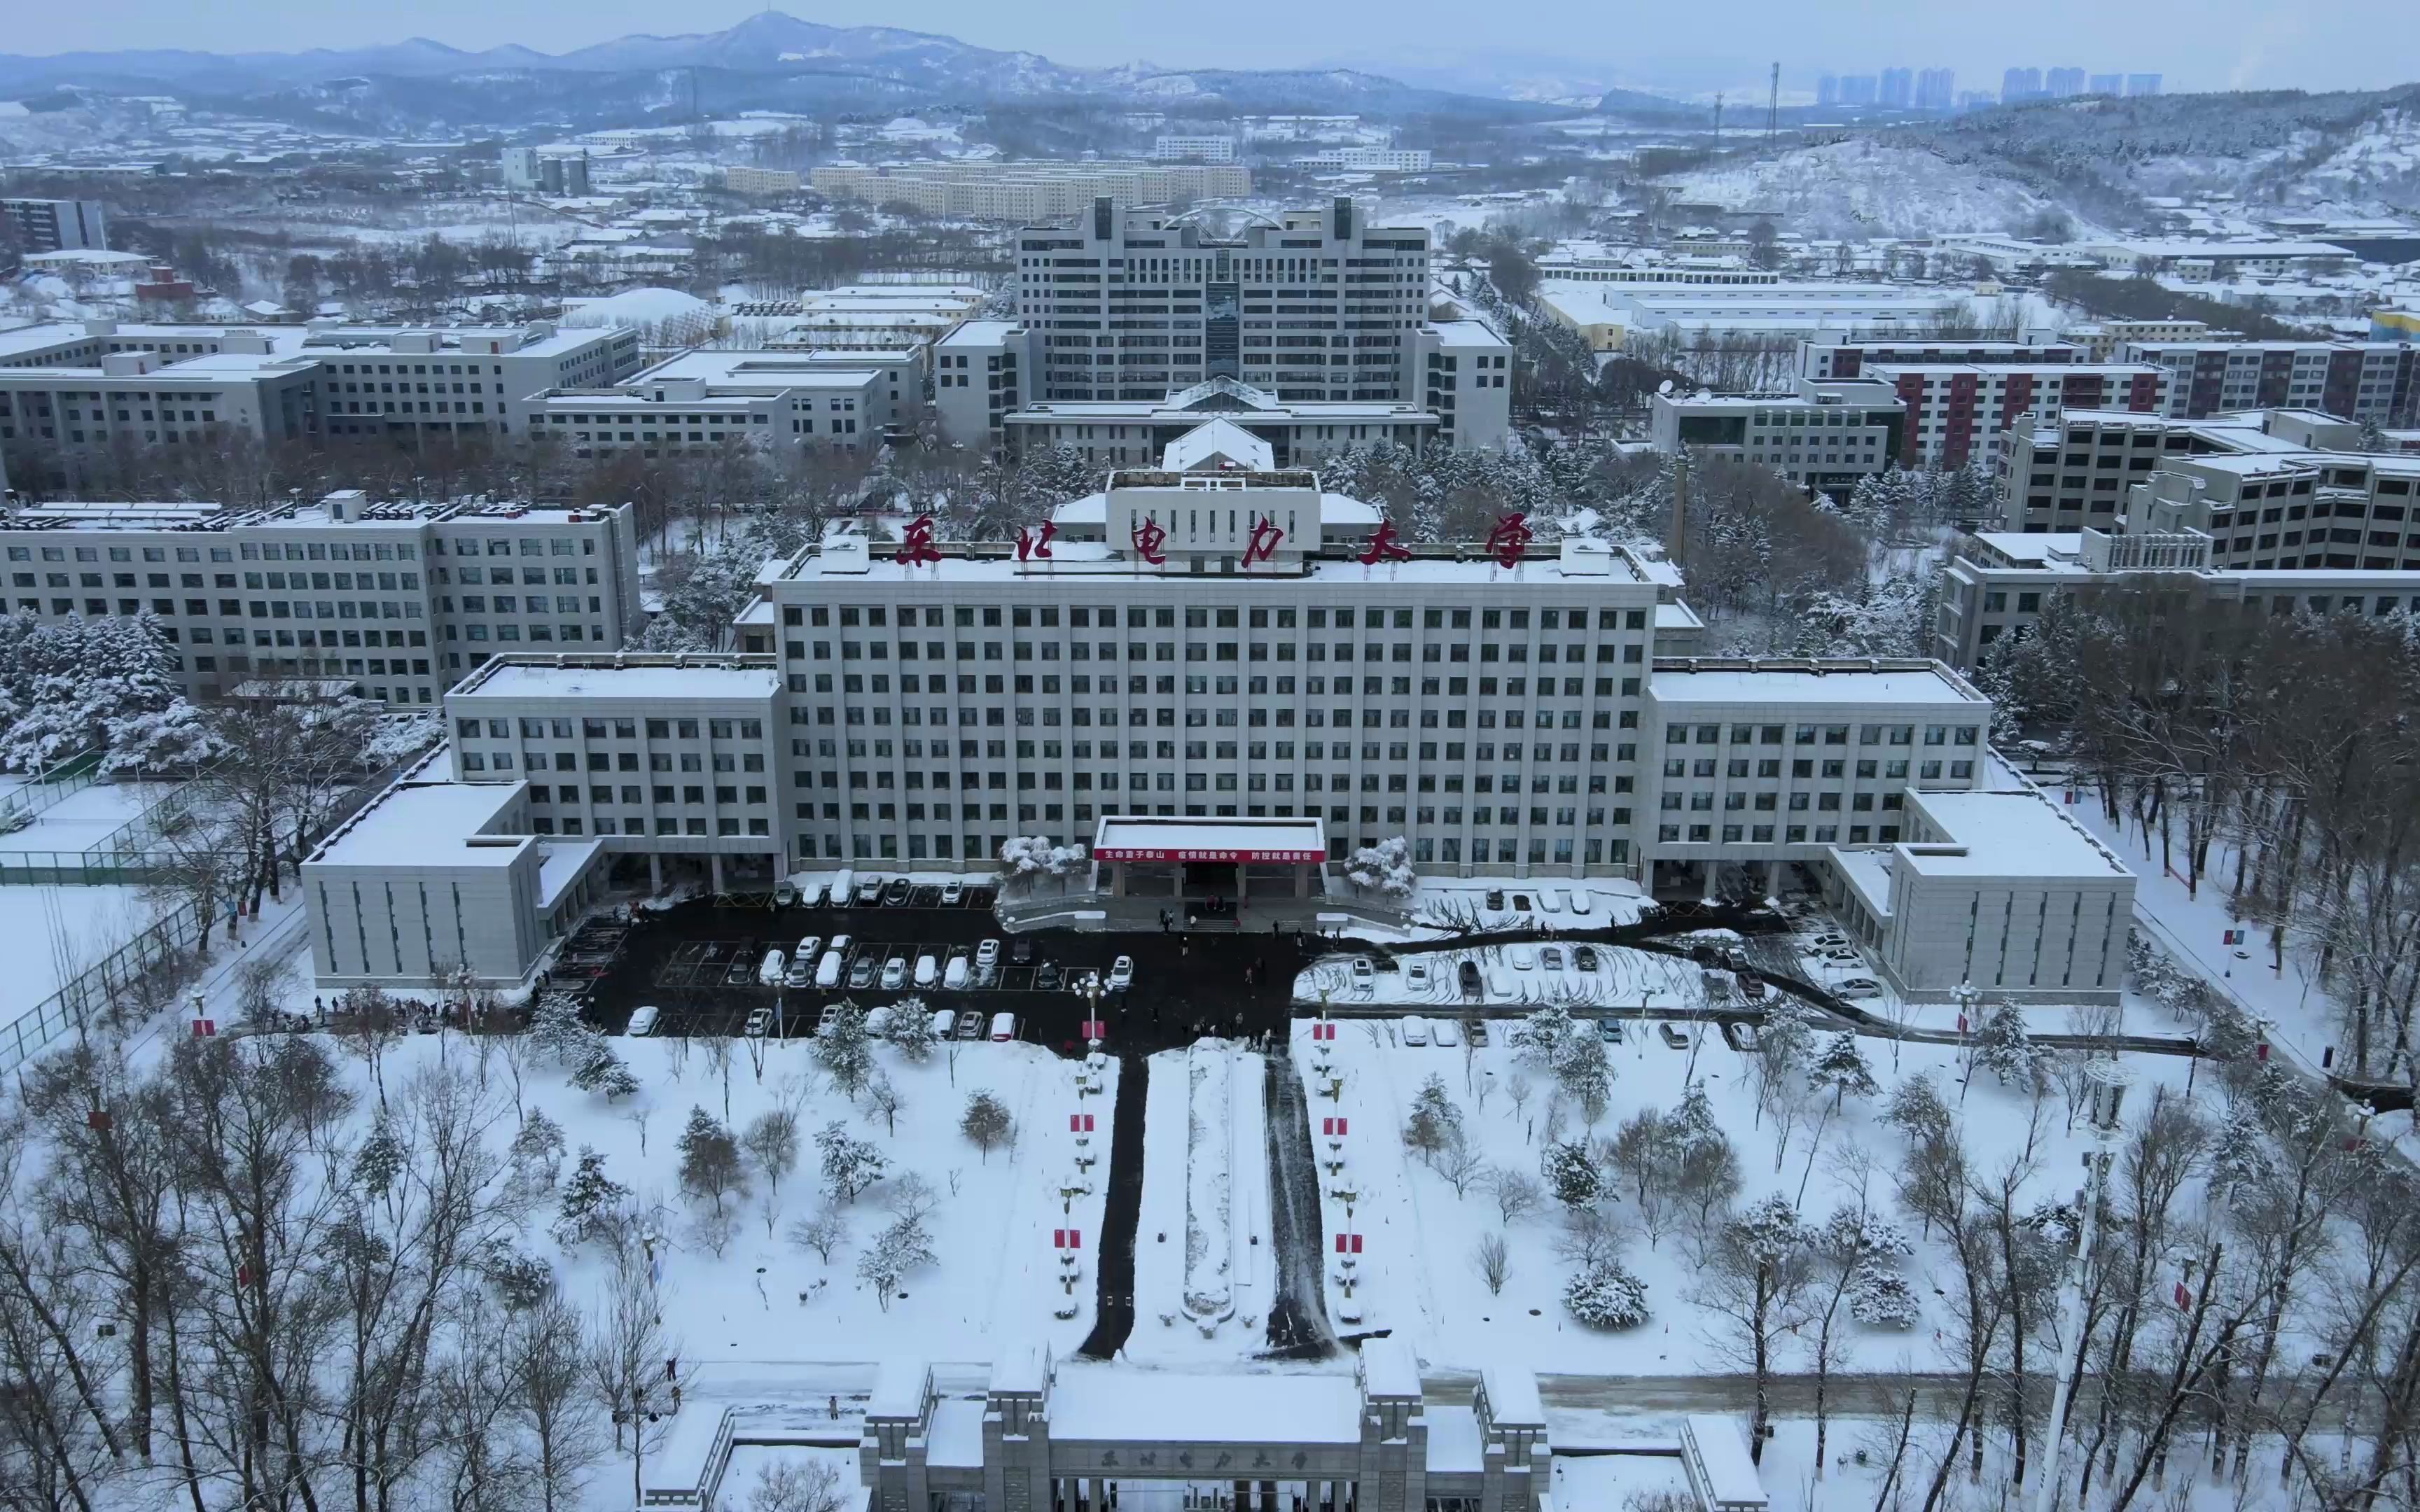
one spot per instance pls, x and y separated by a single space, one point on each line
1202 644
399 599
1314 329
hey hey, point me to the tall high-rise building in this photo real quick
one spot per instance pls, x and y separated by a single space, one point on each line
2142 83
1936 89
57 224
2063 84
2020 83
1898 88
1857 89
1827 89
2105 84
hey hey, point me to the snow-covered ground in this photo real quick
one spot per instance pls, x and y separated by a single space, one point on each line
54 933
1205 1273
1417 1273
82 819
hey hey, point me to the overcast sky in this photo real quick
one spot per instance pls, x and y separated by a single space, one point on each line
2198 44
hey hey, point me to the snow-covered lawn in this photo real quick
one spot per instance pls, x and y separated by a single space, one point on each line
82 819
54 932
1417 1272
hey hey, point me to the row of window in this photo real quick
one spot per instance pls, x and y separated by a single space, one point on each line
1829 734
1790 834
1203 617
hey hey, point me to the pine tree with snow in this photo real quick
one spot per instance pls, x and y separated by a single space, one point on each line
844 1049
1917 1111
379 1161
1539 1038
1881 1296
1385 867
987 1122
181 737
1571 1174
536 1150
1693 1125
590 1199
557 1029
908 1029
849 1165
1585 1072
1841 1066
2239 1155
1436 1122
901 1247
1603 1295
2006 1048
603 1074
710 1167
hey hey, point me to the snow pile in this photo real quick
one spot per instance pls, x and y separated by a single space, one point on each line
1209 1292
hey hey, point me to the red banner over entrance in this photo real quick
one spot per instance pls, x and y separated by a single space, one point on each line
1124 853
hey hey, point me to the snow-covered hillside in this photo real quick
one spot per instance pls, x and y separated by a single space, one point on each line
1867 187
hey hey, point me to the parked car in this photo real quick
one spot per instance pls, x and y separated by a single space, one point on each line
1741 1035
895 895
928 969
759 1021
774 966
1004 1028
816 896
1475 1030
1416 976
941 1021
643 1020
785 895
971 1024
13 820
1524 956
987 954
843 882
801 972
1751 986
861 975
1495 900
1466 978
1445 1034
1021 952
1673 1037
895 974
1609 1031
1122 974
828 970
1551 899
1365 973
740 974
952 894
1857 987
954 976
1580 902
1550 957
869 892
1830 939
1047 977
1520 902
825 1018
1500 984
1584 958
1416 1030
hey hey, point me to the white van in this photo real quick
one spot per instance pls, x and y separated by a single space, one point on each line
769 974
928 970
827 973
1003 1026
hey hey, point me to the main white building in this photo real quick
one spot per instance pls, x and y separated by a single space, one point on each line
1215 639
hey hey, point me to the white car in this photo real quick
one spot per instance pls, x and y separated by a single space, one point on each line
1550 900
759 1022
1525 957
1416 976
769 972
1364 972
1580 902
941 1022
1122 974
1500 984
894 973
1415 1031
807 946
1445 1032
643 1020
928 970
952 893
1551 957
953 976
987 955
1857 987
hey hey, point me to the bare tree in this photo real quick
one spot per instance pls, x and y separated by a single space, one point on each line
633 1366
543 1366
1517 1193
1493 1259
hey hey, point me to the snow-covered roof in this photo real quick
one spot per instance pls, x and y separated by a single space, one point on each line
1388 1367
1135 838
2006 832
560 865
1730 1478
1455 1445
1218 443
599 678
1799 683
1102 1403
1513 1396
428 824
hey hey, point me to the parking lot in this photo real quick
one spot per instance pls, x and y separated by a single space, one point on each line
700 964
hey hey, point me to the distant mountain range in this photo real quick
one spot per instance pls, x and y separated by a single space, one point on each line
771 60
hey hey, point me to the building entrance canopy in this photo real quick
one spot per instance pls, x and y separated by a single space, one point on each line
1244 841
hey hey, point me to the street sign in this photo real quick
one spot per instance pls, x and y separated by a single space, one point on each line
1079 1123
1322 1031
1096 1029
1348 1243
204 1028
1332 1128
1066 1239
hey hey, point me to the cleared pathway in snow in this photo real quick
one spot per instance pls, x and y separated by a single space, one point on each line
1299 1313
1113 1309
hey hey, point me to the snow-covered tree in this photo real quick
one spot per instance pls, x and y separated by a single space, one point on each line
590 1200
180 737
1539 1038
537 1154
1436 1123
1603 1295
710 1167
844 1049
604 1073
1841 1067
986 1123
1586 1074
2004 1046
2239 1153
1385 867
908 1029
849 1165
1881 1296
64 685
1571 1173
379 1161
1917 1111
556 1028
901 1247
1029 856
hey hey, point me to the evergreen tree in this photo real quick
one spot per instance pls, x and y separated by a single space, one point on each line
1571 1172
849 1165
590 1199
603 1074
908 1029
710 1167
844 1049
1539 1038
1436 1122
1603 1295
2003 1047
1842 1066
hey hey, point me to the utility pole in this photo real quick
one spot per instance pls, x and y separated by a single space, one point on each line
1773 107
1718 119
